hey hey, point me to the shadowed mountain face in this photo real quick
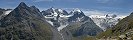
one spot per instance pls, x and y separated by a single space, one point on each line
86 26
80 26
1 11
24 23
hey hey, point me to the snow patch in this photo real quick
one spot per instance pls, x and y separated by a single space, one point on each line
60 10
7 12
66 16
61 27
50 22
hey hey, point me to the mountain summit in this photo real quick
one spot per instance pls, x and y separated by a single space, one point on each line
78 15
23 24
22 5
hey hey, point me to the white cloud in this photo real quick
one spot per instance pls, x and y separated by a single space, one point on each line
42 0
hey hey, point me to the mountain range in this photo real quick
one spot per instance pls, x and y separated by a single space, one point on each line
105 21
29 23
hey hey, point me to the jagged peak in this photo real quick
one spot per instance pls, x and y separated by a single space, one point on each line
52 8
22 8
77 10
22 4
59 10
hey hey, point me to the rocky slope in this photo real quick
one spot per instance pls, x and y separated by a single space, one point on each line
122 31
71 25
25 23
80 26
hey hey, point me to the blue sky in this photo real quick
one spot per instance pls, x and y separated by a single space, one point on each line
120 7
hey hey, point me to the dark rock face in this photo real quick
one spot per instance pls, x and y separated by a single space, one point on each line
24 23
124 25
1 11
84 28
80 26
48 12
88 28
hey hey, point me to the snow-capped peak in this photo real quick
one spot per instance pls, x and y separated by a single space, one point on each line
54 13
52 8
106 21
60 10
77 10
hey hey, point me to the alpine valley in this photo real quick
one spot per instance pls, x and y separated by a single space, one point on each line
29 23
